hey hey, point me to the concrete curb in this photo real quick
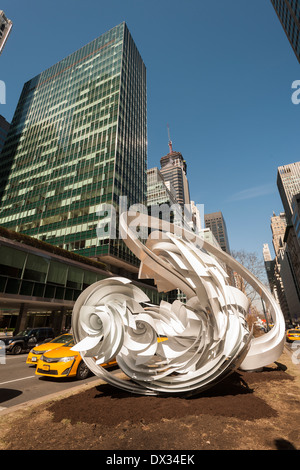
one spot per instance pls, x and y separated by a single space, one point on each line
52 397
57 395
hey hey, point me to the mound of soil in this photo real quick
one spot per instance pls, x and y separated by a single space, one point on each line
247 410
232 398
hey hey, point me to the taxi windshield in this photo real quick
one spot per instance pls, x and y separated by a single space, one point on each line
69 343
62 339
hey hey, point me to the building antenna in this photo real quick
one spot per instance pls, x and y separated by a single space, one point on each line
170 141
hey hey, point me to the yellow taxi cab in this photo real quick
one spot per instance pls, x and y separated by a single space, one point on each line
36 352
293 335
63 362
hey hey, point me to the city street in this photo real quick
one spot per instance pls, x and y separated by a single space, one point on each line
19 384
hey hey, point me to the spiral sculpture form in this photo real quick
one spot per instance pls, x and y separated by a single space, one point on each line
173 348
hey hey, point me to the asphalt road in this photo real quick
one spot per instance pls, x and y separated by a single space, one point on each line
19 384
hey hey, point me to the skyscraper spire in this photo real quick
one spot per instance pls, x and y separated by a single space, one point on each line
170 141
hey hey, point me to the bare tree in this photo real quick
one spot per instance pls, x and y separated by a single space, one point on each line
255 264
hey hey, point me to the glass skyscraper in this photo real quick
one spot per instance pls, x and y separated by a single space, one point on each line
4 128
288 12
78 139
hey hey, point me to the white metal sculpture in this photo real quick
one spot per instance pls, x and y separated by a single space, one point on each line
178 347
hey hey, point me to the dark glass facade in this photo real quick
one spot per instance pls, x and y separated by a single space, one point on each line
39 283
288 12
38 275
4 128
78 139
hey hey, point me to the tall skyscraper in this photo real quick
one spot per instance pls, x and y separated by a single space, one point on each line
296 215
278 226
216 222
5 28
158 191
288 12
286 278
78 139
4 128
266 252
288 183
161 198
174 169
273 268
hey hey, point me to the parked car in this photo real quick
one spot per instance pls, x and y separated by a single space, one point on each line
293 335
25 340
36 352
63 362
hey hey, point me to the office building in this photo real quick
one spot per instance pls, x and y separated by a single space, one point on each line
278 227
266 252
78 139
296 216
216 222
290 283
285 270
5 28
288 12
162 203
159 191
174 169
270 267
273 271
288 183
4 128
39 283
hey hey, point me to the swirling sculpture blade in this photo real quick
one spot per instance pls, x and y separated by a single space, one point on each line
173 348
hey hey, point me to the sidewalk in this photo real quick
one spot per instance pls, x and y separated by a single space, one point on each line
5 335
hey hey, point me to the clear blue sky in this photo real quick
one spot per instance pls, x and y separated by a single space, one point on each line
218 72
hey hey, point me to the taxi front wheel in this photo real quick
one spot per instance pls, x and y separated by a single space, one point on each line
83 371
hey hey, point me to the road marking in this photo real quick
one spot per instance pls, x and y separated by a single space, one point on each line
16 380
